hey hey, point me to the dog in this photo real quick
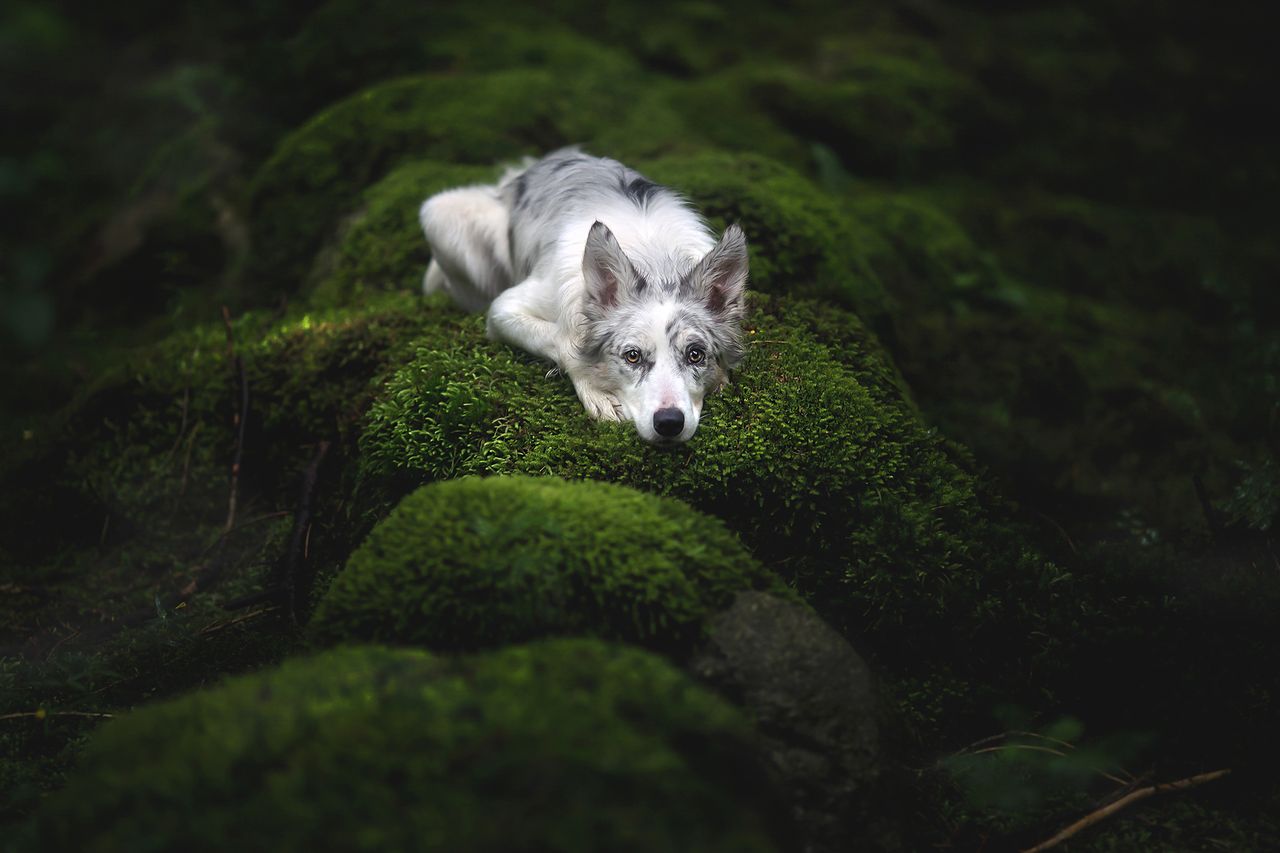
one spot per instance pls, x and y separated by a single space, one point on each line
617 280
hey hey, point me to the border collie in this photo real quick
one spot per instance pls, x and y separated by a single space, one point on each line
615 279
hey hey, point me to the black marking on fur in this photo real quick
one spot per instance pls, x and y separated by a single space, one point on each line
564 163
522 183
640 189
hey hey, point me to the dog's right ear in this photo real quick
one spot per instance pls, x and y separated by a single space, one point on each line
608 273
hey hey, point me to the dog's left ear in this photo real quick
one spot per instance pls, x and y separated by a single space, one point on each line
720 278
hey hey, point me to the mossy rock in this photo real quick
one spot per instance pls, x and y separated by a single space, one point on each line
316 173
840 489
889 103
801 241
142 455
568 745
926 258
482 562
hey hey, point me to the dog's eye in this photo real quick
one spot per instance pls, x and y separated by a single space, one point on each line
632 356
695 355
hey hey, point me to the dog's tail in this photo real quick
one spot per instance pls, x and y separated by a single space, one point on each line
433 281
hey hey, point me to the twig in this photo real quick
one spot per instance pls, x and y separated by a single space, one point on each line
1061 530
57 645
186 460
1127 800
249 600
218 626
1030 747
1206 507
42 713
973 749
238 418
300 540
182 428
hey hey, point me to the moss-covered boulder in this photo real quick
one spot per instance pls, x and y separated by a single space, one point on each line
925 257
317 172
482 562
130 484
802 242
565 745
840 489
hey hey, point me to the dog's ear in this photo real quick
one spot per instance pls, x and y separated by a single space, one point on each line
720 278
609 273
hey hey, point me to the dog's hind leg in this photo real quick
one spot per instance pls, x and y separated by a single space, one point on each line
470 253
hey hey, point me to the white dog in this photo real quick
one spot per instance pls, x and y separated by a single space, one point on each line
615 279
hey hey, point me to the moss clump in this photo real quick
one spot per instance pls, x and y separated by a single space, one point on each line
318 171
844 492
890 103
568 745
926 258
129 486
481 562
802 243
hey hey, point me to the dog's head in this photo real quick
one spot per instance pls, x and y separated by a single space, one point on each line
659 347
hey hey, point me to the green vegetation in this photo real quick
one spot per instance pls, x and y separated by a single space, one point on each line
482 562
569 745
846 495
801 241
317 172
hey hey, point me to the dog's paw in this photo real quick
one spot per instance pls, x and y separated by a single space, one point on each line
599 405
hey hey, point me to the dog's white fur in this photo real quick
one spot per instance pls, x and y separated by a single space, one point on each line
586 263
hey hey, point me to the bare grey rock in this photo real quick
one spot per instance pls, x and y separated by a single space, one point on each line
816 709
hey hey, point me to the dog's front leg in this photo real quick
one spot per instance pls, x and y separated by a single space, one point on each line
514 318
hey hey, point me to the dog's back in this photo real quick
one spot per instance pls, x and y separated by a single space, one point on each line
553 202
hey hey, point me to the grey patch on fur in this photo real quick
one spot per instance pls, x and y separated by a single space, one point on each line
566 178
521 184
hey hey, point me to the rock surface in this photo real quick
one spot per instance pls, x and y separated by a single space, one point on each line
816 708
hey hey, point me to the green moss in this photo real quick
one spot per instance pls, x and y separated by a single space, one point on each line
887 103
124 498
565 745
383 247
885 100
801 241
848 496
318 171
481 562
926 258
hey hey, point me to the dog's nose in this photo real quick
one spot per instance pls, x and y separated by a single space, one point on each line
668 422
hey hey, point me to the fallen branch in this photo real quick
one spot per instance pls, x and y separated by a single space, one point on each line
41 713
1125 801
